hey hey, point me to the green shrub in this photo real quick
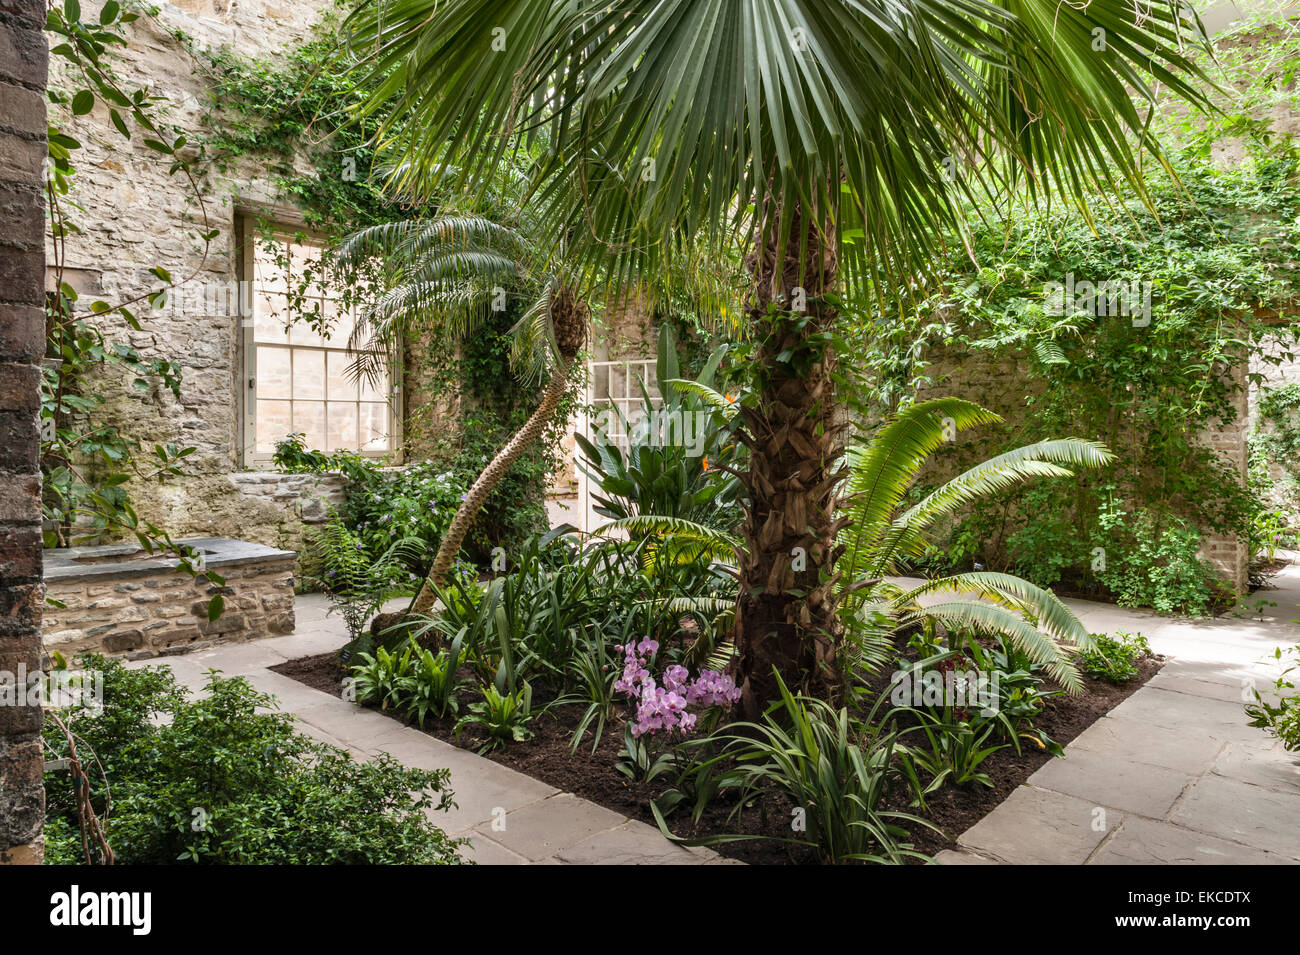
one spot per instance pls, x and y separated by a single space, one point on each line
503 714
1114 658
1282 719
292 454
222 780
417 681
1152 565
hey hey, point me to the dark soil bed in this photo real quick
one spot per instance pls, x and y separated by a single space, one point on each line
593 776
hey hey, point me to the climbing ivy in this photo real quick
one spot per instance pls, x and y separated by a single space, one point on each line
293 115
1193 285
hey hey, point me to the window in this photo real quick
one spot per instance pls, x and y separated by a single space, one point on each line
297 379
616 392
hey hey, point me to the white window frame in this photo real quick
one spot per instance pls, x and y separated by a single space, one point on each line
246 384
633 371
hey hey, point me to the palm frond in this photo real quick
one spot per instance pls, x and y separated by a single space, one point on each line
881 472
716 400
656 121
1042 459
1015 593
993 620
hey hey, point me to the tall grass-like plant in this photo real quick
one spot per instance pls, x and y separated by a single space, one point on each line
836 772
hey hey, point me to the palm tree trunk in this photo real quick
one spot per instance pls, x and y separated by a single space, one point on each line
785 617
568 323
482 487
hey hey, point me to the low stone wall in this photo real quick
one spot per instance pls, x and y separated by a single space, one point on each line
309 497
283 510
118 601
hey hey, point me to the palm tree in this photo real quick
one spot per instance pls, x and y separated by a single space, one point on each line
840 140
880 536
444 274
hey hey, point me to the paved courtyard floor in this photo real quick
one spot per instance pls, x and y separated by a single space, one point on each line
1171 775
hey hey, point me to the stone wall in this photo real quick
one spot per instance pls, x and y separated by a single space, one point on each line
282 510
998 380
22 343
1229 553
115 603
137 217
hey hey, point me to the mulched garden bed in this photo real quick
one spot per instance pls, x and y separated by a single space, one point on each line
593 776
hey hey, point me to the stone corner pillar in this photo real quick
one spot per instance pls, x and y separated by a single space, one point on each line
23 64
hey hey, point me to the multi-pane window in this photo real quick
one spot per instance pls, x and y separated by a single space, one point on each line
616 392
297 360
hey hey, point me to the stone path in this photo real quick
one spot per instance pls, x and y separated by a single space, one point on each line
509 818
1173 774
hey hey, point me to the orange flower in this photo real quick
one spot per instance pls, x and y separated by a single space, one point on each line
706 462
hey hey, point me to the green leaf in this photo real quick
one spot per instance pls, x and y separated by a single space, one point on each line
83 103
109 13
119 123
215 606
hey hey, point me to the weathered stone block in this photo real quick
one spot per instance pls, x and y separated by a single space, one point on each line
122 640
227 623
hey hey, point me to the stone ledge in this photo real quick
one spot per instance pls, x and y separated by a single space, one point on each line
98 563
145 608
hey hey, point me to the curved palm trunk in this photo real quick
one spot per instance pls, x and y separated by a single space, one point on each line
482 487
569 324
785 616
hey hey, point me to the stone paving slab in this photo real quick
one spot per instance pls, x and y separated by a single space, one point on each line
1270 767
1161 746
544 828
1190 714
1105 779
484 851
632 843
956 857
1039 827
1223 692
1239 812
1239 801
1142 841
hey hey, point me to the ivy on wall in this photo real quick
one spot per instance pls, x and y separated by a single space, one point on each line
1134 334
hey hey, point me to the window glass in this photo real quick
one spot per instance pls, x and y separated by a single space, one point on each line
300 366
